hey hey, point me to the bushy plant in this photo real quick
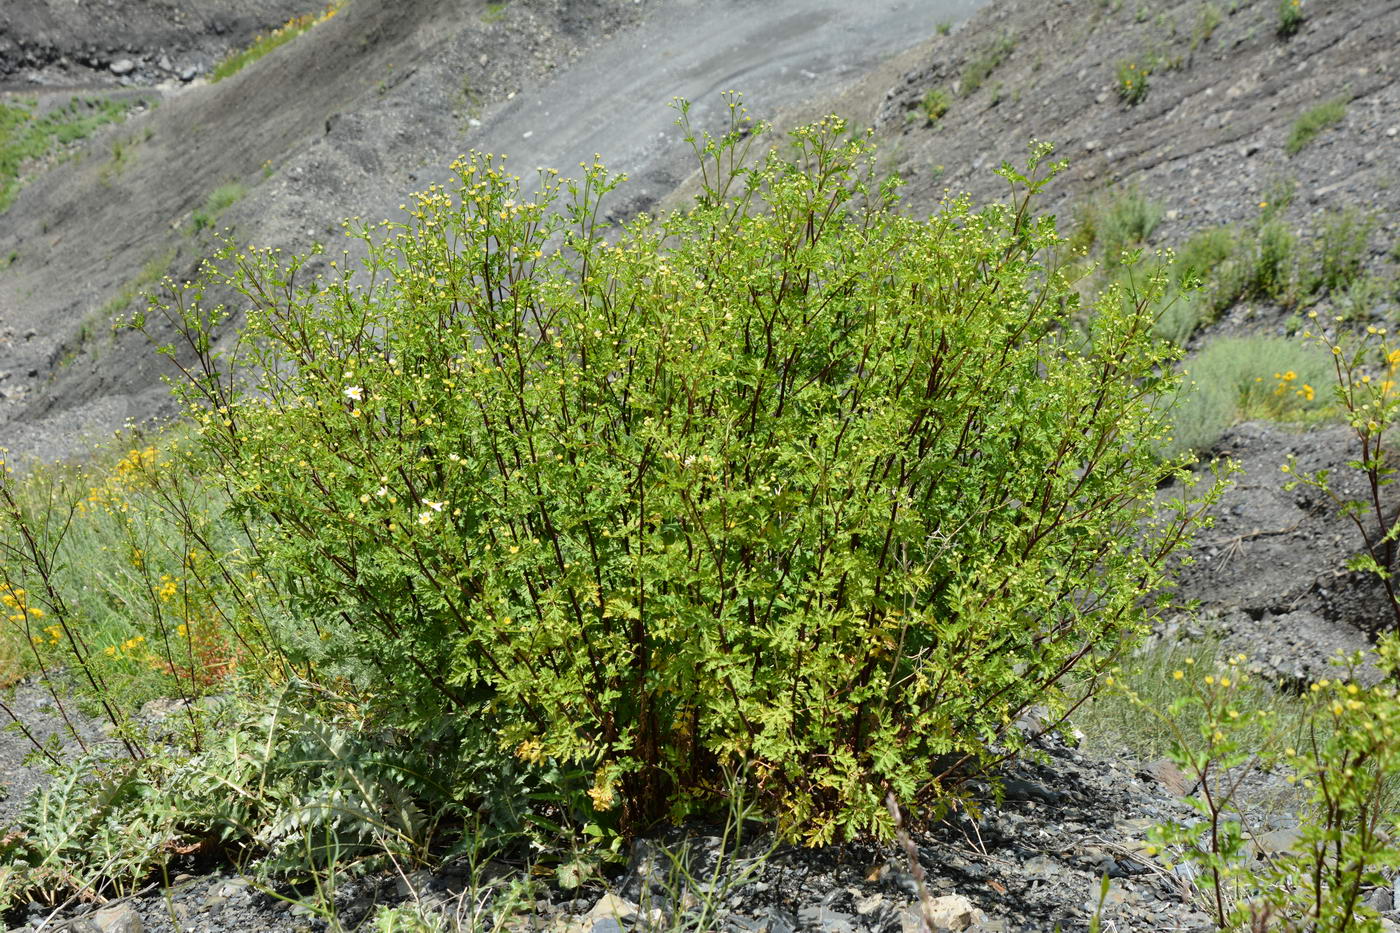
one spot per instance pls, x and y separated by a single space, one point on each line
935 104
1338 251
1133 80
1366 372
278 37
787 482
976 72
1207 21
219 200
1270 270
1116 223
1290 18
1343 755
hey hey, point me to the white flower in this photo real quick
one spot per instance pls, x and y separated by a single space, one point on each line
435 506
354 393
425 517
382 491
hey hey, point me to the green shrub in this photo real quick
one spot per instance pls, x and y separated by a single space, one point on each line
1133 80
1290 18
936 103
1270 267
788 483
1344 760
1119 223
1338 251
976 72
279 37
1365 379
1314 121
1238 379
1207 21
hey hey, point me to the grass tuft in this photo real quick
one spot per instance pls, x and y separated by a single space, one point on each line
219 200
1314 121
979 69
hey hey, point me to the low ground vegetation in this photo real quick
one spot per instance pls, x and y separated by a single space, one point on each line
278 37
499 547
27 139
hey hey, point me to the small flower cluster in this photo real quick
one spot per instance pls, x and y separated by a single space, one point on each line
16 602
1286 386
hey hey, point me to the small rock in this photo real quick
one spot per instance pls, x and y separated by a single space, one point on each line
1276 841
1393 132
1165 772
119 919
122 66
188 73
1091 145
865 906
817 917
611 907
949 912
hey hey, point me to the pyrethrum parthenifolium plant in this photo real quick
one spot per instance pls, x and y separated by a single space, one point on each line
786 482
1343 756
1367 390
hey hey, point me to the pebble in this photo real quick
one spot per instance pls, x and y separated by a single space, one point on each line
122 66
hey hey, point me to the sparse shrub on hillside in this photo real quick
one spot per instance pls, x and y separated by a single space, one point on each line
26 139
1270 271
1207 21
1290 18
1278 195
935 104
1338 251
1133 80
280 36
1238 379
788 483
219 200
976 72
1312 122
1116 223
1366 385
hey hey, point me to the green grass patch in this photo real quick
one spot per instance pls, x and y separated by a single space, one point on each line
1338 251
266 43
219 200
1314 121
1113 721
26 137
494 12
978 70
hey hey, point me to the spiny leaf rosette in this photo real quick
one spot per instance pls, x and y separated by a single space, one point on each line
786 482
